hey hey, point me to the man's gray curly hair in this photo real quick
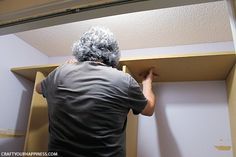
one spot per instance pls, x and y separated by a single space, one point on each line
97 44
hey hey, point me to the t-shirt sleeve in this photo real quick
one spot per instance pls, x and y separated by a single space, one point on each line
136 98
48 83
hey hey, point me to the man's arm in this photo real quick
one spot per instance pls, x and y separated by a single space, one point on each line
39 86
148 93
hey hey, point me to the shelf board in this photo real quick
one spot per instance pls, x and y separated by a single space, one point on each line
11 133
194 67
172 68
29 72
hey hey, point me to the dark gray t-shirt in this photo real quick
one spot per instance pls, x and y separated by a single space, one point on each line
88 104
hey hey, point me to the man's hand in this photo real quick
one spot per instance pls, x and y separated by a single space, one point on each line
148 78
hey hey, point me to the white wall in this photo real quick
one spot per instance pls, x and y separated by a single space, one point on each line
191 118
16 92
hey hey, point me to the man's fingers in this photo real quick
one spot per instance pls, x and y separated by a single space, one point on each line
149 73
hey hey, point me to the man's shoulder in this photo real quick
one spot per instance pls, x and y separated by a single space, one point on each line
105 70
117 73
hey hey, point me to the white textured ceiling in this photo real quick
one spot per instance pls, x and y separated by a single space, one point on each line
193 24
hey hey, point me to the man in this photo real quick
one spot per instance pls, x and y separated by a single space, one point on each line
88 100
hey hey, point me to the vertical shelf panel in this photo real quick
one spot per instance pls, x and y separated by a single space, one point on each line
131 129
231 91
37 130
